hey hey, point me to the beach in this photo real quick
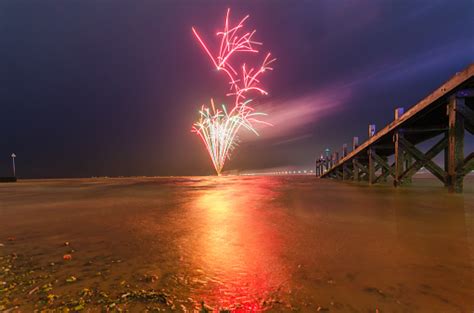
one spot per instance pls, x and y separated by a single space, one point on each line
262 243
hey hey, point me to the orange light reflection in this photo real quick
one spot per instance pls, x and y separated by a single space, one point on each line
239 247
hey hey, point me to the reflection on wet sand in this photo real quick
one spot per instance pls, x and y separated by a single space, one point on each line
239 243
237 248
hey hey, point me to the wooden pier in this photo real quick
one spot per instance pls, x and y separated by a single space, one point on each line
445 113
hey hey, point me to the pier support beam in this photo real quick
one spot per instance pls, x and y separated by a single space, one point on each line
408 163
371 152
424 159
355 168
399 151
345 168
384 166
455 149
371 168
397 181
385 171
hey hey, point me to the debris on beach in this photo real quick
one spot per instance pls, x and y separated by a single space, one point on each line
21 278
32 291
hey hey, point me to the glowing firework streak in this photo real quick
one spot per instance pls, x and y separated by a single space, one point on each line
218 128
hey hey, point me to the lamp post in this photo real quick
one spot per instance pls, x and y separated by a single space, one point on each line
13 161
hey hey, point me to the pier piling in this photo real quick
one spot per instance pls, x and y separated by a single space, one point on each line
445 114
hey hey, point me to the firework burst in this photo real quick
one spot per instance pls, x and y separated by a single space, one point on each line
218 127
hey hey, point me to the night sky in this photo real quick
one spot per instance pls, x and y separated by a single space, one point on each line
110 88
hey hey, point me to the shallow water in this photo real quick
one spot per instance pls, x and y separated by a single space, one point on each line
243 243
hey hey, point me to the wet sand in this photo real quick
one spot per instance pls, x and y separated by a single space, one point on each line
236 243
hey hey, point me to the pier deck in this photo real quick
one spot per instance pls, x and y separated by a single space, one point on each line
448 111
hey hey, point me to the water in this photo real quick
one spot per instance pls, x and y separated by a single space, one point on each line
239 243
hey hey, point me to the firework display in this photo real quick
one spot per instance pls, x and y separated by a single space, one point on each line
218 127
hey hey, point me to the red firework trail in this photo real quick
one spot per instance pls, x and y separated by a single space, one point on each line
231 43
218 128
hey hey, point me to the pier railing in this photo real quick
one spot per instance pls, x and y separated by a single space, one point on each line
445 113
